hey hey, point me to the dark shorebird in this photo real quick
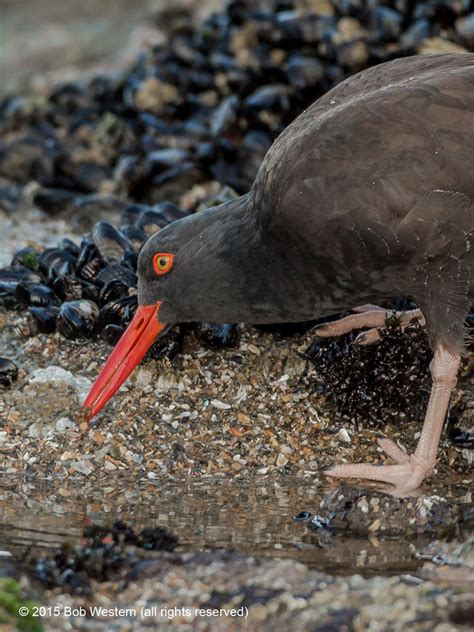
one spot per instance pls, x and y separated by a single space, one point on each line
366 196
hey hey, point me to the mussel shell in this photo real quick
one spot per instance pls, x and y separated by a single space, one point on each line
119 311
169 211
112 290
68 288
269 97
116 272
18 274
77 319
136 235
111 242
87 254
161 158
45 318
53 201
113 333
132 213
36 295
55 262
130 261
70 246
8 372
151 222
167 346
218 336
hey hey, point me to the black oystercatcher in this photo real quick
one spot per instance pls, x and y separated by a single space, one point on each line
366 196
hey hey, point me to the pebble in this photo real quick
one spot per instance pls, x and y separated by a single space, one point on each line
54 374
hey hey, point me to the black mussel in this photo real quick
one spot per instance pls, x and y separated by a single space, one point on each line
18 274
94 202
36 295
226 194
271 97
77 319
26 257
415 34
54 262
182 173
304 71
70 246
113 333
116 272
87 253
112 290
26 159
110 241
218 336
45 318
462 438
130 261
90 270
53 201
8 372
90 291
89 263
163 158
225 115
129 173
167 346
132 213
68 288
120 311
150 222
170 211
388 22
136 235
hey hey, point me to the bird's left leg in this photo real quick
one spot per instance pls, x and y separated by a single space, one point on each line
372 316
411 469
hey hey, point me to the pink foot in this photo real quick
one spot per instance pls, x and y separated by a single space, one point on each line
406 476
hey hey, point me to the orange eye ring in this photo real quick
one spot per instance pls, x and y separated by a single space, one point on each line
162 262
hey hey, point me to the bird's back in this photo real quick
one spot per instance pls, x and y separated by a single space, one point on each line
378 177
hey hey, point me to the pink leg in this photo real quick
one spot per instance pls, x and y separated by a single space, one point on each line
410 470
369 316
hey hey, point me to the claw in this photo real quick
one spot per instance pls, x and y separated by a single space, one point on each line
406 476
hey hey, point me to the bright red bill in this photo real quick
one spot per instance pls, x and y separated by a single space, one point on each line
128 352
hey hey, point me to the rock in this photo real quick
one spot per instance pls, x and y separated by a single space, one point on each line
52 374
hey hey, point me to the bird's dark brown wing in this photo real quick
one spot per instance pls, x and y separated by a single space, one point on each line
360 177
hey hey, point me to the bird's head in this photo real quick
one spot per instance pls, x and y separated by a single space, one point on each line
186 272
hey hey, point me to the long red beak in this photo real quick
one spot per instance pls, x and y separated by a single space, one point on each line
130 349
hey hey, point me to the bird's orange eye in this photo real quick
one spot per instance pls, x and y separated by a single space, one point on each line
162 262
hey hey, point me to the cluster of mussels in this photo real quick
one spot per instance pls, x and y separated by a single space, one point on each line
209 102
374 384
89 289
107 553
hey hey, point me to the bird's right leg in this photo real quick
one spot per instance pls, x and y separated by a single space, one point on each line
372 316
411 469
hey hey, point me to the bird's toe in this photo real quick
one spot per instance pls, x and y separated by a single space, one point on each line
406 477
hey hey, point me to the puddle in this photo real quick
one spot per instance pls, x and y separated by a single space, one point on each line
252 518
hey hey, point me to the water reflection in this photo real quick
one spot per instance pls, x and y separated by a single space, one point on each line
249 517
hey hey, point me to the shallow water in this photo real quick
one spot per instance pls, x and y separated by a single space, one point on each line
253 518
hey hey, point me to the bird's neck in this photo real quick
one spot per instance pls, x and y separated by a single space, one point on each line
255 278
